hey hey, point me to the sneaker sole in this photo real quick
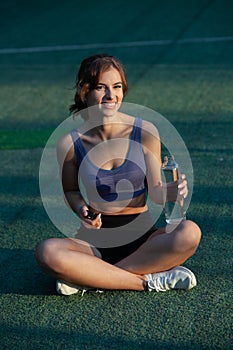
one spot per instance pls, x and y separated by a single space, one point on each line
65 288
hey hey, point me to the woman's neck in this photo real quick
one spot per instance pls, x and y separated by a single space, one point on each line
105 126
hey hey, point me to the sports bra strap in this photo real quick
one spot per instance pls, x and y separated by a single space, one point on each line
79 148
137 130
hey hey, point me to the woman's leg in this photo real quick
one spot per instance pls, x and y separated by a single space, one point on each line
75 262
163 251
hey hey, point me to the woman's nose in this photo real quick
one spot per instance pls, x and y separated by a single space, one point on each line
109 94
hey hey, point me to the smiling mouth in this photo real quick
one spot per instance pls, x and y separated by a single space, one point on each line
109 104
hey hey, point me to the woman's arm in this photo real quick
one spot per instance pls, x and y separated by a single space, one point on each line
157 191
69 176
152 150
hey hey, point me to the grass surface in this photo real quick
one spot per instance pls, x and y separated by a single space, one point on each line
191 85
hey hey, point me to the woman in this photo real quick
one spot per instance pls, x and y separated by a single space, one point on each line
113 154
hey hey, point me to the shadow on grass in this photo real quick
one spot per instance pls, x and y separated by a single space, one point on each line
20 274
52 338
21 186
212 195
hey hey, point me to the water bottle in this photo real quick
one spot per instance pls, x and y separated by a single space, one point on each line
174 211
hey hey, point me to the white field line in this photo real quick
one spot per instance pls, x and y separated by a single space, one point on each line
113 45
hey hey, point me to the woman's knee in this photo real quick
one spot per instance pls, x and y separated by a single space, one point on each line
46 252
189 235
193 233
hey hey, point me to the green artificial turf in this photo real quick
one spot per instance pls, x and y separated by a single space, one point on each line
189 84
21 139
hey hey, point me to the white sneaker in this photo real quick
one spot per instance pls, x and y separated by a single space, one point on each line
66 288
177 278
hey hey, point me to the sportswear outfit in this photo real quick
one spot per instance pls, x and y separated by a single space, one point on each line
121 235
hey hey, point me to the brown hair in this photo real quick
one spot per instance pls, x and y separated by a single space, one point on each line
88 77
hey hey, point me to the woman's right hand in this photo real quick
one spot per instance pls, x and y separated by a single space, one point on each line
87 222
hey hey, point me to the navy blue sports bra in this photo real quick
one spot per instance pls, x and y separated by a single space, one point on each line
122 183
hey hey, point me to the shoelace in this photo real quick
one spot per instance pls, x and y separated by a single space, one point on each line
90 290
158 283
83 292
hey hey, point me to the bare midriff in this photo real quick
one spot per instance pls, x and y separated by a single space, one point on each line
136 205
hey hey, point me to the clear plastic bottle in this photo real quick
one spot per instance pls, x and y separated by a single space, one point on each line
174 211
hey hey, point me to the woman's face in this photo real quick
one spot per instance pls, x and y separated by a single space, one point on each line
108 94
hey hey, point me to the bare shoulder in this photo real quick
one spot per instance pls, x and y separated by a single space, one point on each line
149 131
65 147
64 143
150 140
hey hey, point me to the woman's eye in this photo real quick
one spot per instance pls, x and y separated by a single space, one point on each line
99 87
118 86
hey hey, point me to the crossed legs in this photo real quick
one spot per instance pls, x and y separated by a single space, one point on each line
76 262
